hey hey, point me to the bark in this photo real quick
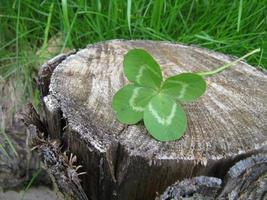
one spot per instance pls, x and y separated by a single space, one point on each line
60 166
124 162
247 179
201 188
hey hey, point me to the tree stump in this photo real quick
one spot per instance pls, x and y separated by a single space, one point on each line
227 124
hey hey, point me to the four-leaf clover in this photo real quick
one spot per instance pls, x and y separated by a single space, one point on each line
153 99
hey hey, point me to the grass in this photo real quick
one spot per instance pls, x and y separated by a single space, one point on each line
7 139
33 178
232 27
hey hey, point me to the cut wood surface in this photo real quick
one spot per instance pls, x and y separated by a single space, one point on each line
226 124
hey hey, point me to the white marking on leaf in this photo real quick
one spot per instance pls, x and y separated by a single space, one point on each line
183 89
151 69
133 103
182 92
163 120
140 74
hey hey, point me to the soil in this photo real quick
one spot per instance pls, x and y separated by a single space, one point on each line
35 193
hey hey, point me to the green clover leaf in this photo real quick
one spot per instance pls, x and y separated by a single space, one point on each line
164 118
153 100
156 101
184 87
142 69
129 102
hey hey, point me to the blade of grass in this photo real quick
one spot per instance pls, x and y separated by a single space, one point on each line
145 12
112 14
2 131
35 175
184 22
28 4
2 149
68 34
239 15
259 64
17 34
190 10
94 13
129 5
156 14
206 37
48 24
66 22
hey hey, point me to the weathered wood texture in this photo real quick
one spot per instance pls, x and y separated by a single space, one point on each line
61 166
124 162
247 179
201 188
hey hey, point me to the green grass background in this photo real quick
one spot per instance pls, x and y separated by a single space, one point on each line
229 26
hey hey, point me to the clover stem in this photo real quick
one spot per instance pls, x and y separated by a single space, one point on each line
220 69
